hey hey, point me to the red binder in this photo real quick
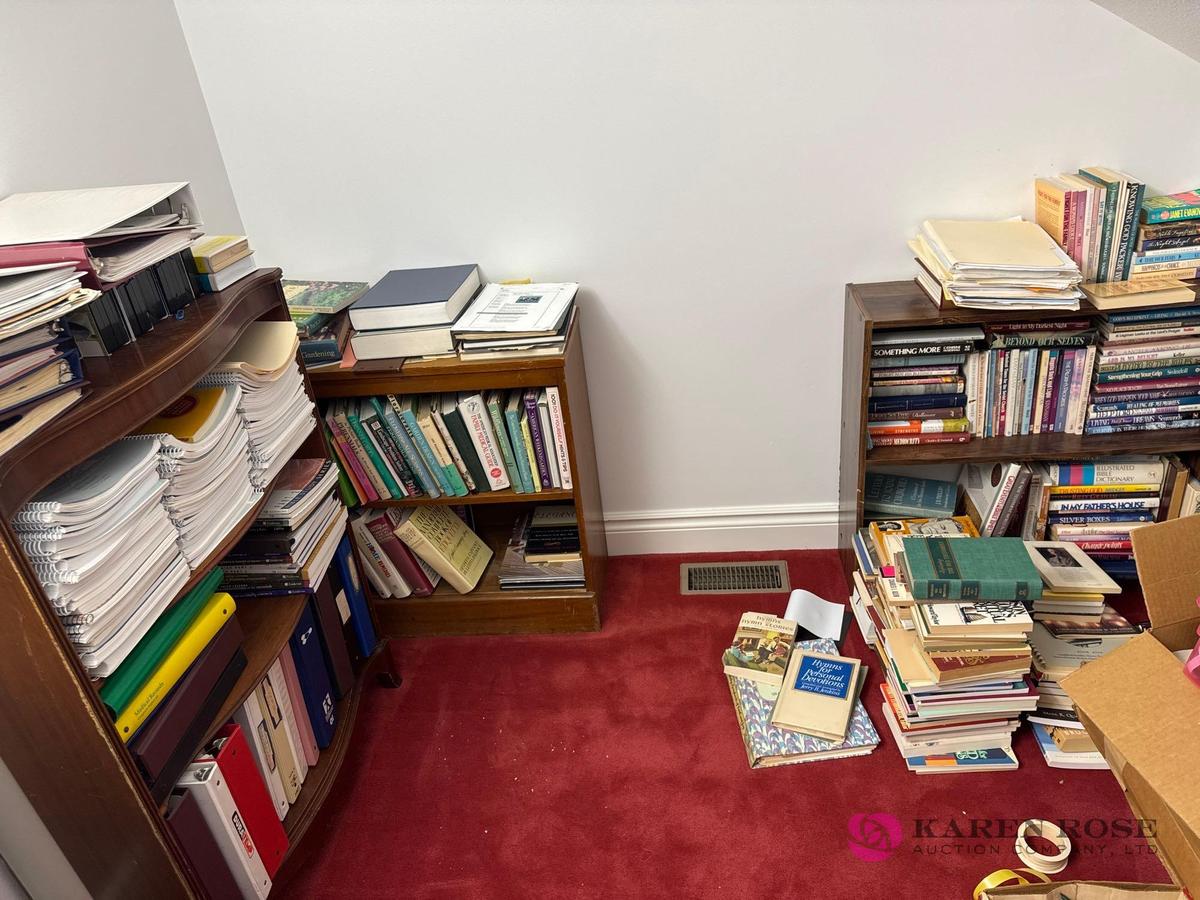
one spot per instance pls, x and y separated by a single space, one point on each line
57 251
233 757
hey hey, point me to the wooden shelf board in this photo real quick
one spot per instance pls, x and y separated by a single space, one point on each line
487 497
901 304
135 384
488 609
1039 446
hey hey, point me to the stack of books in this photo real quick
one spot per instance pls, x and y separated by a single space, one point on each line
221 260
1009 264
1059 648
517 320
1033 378
407 552
432 445
539 554
410 312
294 536
273 402
795 702
204 455
102 546
319 310
1148 371
40 370
1074 584
1168 238
917 391
1093 216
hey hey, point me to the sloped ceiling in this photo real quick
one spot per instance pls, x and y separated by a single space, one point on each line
1174 22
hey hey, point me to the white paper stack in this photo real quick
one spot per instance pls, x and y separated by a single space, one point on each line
205 459
1010 264
105 550
275 406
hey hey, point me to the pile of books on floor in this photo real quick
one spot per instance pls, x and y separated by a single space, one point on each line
1060 646
407 552
101 544
273 402
1002 265
432 445
1148 371
319 311
917 391
221 260
40 370
1033 378
204 455
544 551
294 536
796 701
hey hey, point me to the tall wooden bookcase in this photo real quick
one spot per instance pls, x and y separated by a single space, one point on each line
55 735
488 609
899 305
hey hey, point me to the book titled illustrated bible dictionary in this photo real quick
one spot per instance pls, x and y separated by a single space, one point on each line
818 695
444 541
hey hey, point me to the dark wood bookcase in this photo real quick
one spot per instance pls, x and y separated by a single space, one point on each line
488 609
901 304
57 738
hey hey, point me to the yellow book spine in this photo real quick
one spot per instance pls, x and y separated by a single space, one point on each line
527 440
1050 208
214 614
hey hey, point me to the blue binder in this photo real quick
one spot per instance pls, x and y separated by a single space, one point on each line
347 580
314 678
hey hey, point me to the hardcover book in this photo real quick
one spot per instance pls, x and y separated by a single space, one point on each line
996 568
818 695
761 647
323 297
414 297
444 541
900 495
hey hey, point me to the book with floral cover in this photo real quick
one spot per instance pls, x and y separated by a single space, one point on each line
768 746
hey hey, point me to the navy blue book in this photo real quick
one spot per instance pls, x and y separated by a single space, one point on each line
343 577
922 401
407 298
314 678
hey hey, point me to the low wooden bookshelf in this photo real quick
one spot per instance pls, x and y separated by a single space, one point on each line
901 304
58 739
488 609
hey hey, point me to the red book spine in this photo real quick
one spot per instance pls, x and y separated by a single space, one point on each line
368 491
251 796
401 556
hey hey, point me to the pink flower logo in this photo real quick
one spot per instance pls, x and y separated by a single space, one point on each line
873 837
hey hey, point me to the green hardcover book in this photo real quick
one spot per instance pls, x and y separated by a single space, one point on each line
345 488
900 495
462 439
354 413
494 400
133 671
986 568
326 297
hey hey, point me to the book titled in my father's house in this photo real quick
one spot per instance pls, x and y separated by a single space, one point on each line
818 694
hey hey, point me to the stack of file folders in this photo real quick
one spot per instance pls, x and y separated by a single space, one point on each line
1009 264
274 404
205 458
295 536
104 549
40 374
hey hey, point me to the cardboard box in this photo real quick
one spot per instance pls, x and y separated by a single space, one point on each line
1087 890
1140 708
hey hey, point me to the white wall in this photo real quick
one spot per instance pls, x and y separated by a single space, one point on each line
712 172
100 92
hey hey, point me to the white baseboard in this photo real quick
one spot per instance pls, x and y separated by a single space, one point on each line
794 526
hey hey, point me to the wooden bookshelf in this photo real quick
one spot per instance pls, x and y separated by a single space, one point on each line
903 305
59 741
488 609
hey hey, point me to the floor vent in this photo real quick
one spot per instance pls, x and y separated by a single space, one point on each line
769 577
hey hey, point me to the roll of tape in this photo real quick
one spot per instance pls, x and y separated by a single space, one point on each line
1005 878
1051 864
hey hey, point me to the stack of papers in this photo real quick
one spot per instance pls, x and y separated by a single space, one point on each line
1010 264
274 404
105 551
205 458
120 259
517 319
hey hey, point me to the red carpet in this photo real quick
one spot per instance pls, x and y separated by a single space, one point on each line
610 765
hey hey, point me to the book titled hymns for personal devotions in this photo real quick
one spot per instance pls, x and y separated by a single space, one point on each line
818 694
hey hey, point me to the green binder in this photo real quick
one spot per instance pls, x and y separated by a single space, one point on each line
133 671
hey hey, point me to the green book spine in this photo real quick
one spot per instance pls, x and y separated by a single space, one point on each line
372 451
345 488
386 407
155 644
408 419
1137 193
512 416
457 486
492 402
466 448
